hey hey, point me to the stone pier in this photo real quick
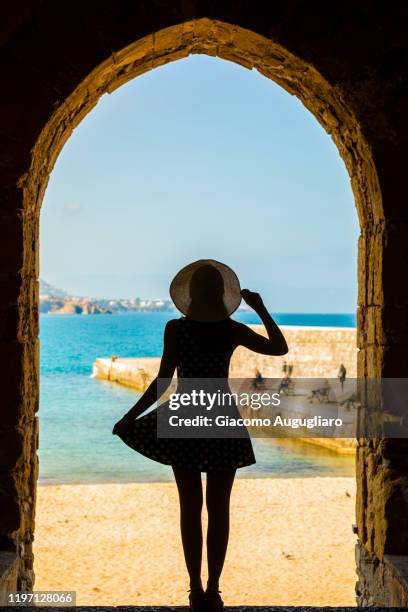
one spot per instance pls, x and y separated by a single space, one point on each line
313 351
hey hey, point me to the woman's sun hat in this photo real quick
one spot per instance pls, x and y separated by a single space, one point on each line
206 290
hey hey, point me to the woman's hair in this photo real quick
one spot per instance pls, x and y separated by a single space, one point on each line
207 291
206 283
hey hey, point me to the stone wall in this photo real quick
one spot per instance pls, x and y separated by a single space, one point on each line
313 351
346 62
381 583
135 372
9 570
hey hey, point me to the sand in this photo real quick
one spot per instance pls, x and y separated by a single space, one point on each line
115 544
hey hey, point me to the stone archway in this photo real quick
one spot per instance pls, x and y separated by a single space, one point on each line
281 50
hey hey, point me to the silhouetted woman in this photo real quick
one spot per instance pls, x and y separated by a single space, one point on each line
200 345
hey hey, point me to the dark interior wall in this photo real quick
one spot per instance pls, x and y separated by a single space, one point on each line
347 61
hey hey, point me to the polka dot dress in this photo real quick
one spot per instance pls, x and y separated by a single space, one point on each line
203 454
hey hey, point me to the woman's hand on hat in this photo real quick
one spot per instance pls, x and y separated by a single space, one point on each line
253 299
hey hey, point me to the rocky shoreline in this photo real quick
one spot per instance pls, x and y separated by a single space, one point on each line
58 301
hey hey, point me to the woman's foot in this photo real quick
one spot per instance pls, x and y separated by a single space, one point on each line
214 601
197 599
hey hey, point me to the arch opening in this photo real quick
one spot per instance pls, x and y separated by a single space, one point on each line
138 89
329 105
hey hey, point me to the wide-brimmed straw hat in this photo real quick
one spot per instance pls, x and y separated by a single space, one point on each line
206 290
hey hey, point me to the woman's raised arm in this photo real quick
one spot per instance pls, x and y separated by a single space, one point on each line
274 344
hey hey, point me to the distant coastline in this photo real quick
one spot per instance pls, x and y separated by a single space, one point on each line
56 301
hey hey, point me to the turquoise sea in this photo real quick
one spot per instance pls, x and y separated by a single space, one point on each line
77 412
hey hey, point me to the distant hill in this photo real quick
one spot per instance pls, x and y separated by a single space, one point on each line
58 301
47 289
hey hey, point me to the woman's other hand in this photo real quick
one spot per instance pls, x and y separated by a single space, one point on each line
253 299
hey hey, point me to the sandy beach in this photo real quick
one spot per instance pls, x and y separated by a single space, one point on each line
115 544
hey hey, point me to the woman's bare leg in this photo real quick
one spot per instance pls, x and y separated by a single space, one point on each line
191 502
218 492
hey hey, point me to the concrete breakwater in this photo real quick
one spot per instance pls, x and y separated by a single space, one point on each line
314 352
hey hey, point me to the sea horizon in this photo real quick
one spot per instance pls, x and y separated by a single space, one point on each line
305 319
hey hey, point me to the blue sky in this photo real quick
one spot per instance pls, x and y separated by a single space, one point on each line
202 158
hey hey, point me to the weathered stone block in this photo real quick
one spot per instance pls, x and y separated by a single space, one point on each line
381 583
9 565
